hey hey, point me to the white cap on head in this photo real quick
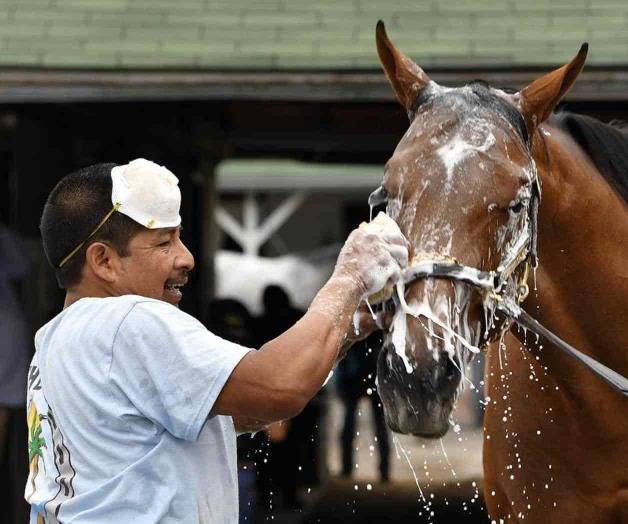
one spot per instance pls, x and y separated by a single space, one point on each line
147 193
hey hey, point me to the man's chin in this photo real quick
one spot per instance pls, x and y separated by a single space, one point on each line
172 297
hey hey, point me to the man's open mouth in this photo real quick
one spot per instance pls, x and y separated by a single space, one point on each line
173 288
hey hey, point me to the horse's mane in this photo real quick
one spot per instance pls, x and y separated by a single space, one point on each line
606 145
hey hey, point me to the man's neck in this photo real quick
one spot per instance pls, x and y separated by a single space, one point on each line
70 298
76 294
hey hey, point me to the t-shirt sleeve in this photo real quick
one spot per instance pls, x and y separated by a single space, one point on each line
171 367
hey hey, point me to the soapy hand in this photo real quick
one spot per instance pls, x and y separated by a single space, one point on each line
374 255
364 323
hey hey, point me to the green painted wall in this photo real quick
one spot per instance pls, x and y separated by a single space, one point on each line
300 34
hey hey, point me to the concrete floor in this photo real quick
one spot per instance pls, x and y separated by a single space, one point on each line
435 481
456 455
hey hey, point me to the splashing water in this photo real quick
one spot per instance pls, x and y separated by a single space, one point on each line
399 447
442 447
453 341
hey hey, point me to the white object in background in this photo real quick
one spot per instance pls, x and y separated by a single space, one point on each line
252 235
245 277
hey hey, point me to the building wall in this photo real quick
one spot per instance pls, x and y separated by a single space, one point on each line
300 34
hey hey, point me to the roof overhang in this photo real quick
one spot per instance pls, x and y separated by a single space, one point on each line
281 176
597 83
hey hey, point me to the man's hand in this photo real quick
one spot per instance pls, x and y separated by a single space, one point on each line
374 255
365 321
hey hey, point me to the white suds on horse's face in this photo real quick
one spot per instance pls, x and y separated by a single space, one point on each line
436 310
461 137
461 148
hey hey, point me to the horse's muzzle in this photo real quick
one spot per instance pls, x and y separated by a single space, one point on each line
420 402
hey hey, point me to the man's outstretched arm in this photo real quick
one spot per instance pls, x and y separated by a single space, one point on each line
277 381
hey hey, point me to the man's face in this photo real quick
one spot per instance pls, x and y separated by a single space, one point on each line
157 265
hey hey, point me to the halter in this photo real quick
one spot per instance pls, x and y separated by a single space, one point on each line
492 284
424 265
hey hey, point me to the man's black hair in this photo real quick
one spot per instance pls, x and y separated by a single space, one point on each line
74 208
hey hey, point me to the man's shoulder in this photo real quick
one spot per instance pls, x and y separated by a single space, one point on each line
144 306
112 313
151 316
122 305
139 302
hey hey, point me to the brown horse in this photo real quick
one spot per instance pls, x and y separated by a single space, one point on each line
462 185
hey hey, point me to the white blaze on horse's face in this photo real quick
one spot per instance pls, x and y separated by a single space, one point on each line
454 185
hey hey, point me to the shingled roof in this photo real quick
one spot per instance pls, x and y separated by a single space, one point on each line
284 35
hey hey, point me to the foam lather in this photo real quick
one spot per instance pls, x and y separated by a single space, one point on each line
385 222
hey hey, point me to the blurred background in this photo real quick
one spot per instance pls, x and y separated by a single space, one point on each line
277 119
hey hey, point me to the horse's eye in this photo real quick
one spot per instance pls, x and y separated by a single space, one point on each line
516 207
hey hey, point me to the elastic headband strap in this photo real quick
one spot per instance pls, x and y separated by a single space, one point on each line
115 207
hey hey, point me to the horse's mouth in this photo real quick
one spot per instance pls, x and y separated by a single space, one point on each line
418 403
435 425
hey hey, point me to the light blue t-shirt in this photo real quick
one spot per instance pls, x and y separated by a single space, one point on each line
119 397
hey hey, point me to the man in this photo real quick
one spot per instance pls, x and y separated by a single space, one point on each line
131 402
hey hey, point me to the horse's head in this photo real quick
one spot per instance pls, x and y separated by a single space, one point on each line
461 184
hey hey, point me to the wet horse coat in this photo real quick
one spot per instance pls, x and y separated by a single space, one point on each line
556 436
566 432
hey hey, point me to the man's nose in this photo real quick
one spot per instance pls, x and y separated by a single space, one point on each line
184 259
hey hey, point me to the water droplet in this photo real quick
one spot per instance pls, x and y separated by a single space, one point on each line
369 487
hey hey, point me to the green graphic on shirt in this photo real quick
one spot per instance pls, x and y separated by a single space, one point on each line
35 442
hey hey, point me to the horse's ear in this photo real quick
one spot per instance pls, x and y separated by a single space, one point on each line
406 78
538 99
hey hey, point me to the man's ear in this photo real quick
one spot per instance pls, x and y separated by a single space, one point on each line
102 260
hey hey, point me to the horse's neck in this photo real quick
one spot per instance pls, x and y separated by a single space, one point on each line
582 281
563 416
